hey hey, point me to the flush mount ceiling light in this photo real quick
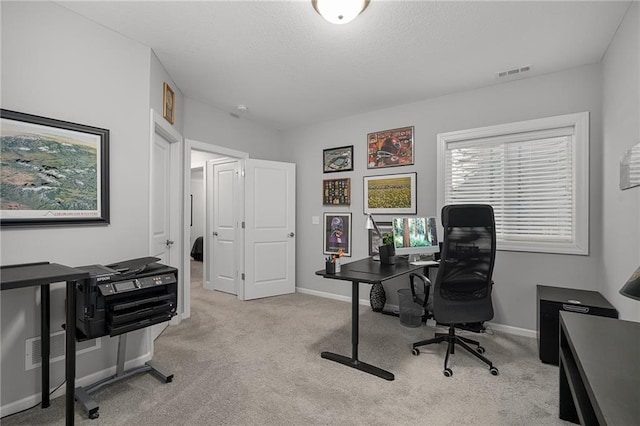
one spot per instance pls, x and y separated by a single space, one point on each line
339 11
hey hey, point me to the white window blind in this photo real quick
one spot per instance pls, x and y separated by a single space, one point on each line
532 174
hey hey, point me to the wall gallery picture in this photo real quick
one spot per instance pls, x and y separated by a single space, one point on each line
375 240
390 194
337 159
337 233
336 192
169 102
390 148
54 173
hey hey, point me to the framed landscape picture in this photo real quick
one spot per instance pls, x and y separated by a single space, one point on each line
390 148
390 194
54 173
337 233
337 159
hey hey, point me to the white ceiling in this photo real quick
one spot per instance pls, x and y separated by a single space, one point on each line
292 68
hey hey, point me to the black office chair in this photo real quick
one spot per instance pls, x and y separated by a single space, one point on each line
462 290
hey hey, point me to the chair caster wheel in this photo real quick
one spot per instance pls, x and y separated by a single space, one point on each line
94 416
494 371
480 349
415 351
447 372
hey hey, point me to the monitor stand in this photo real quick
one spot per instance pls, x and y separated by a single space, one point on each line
414 257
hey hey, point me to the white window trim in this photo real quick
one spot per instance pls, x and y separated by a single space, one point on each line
580 124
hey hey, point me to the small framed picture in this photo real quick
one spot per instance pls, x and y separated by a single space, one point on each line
390 194
336 192
390 148
375 240
168 111
337 233
337 159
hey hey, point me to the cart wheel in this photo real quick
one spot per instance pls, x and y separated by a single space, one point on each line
480 349
448 372
415 351
494 371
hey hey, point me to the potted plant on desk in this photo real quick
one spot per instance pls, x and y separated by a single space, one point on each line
387 250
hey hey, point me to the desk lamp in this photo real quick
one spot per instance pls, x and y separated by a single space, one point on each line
632 287
371 224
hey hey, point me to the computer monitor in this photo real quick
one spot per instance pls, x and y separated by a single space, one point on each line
415 235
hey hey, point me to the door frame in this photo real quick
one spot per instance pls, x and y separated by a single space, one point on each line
160 126
213 149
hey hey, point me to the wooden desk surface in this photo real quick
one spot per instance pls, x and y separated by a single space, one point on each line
608 355
371 271
27 275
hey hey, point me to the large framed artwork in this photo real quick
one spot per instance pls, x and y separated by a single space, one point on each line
337 159
54 173
375 240
390 194
390 148
337 233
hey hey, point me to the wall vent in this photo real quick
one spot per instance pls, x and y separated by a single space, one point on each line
513 72
33 349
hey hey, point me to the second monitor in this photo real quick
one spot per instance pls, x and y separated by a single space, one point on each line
415 235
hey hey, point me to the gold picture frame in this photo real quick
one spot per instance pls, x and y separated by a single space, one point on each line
169 101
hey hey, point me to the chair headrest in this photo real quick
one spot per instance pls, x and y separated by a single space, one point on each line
467 215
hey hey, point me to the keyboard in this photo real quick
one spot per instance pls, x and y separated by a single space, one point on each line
425 263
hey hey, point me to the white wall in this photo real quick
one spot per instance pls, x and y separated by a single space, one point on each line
516 274
621 130
203 123
59 65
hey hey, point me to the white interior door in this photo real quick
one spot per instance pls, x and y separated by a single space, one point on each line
226 222
270 228
164 195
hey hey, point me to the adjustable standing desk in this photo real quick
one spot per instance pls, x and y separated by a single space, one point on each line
42 274
371 272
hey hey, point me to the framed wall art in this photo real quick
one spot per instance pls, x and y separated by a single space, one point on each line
54 173
337 159
390 148
375 240
169 102
390 194
337 233
336 192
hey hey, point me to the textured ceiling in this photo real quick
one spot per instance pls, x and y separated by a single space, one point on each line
292 68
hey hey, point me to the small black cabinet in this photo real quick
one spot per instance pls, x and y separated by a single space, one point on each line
552 300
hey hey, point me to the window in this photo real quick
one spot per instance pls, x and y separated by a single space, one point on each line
534 173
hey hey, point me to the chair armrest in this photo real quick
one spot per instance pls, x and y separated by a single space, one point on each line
426 283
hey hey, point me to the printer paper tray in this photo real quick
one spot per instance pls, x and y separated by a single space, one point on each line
117 319
125 328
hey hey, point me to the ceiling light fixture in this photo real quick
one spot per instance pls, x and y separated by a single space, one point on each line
339 11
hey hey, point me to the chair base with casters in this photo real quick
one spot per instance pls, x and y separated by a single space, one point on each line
452 339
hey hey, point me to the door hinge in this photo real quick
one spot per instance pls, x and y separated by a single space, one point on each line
242 275
242 173
243 224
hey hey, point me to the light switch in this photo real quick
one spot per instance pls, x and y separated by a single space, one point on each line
315 220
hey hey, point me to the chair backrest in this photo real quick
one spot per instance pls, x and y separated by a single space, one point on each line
462 291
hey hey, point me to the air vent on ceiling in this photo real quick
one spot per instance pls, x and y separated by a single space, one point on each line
513 72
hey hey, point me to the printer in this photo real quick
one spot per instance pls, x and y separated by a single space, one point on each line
124 297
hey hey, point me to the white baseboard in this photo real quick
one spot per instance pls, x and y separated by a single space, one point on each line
498 327
33 400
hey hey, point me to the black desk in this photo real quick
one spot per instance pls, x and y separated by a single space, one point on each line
599 370
371 272
43 274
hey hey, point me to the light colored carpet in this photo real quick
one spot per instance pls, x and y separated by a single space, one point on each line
258 363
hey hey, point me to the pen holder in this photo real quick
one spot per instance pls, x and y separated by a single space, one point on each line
332 267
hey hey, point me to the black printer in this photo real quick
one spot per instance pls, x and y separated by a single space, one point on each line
124 297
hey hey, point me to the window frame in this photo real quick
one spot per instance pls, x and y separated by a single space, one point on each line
579 122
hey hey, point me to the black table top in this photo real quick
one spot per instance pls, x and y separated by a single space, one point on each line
371 271
33 274
571 295
608 354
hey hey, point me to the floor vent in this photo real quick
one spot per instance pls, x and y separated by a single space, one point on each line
513 72
33 349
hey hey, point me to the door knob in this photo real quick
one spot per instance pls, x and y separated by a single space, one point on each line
291 235
169 243
215 234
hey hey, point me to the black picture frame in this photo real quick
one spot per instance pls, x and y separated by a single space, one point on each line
55 173
338 159
337 233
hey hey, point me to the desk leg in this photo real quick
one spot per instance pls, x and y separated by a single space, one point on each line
45 336
70 357
353 362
